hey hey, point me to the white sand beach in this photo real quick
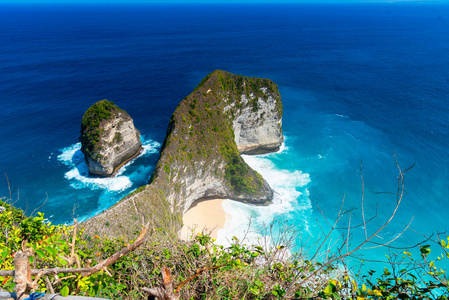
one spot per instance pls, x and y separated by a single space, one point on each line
204 216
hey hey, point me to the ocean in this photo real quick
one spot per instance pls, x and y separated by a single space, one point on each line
360 84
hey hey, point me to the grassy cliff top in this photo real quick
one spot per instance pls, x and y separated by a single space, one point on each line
199 152
201 129
92 119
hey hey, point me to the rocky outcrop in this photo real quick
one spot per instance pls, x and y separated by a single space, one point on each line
258 130
108 137
224 116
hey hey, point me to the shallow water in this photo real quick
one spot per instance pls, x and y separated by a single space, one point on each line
358 82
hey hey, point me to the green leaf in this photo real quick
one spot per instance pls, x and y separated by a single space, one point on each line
336 296
64 291
62 261
40 253
50 250
258 283
94 290
425 249
330 289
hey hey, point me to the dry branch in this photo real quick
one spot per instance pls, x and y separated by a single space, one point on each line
22 273
198 272
166 290
139 241
368 238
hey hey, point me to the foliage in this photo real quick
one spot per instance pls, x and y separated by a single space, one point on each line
199 143
409 277
202 127
90 124
236 272
240 176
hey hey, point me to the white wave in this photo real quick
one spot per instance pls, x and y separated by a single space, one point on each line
71 155
149 146
79 177
239 216
282 148
275 177
342 116
290 195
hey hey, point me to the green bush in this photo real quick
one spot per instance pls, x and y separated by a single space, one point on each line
90 131
236 272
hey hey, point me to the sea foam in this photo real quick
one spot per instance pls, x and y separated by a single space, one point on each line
79 176
290 197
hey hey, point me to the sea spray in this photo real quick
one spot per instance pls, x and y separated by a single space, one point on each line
79 176
290 201
109 189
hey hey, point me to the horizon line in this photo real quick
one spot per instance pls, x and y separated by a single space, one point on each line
135 2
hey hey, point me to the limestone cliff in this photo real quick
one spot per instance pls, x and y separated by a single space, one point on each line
224 116
257 129
108 137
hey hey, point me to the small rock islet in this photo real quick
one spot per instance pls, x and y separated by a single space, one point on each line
108 138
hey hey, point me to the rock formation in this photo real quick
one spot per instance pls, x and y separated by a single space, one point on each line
108 138
257 129
224 116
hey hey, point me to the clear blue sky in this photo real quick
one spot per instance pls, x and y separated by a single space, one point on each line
218 1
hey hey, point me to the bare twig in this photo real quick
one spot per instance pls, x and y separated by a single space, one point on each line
40 206
362 200
49 285
9 188
140 240
72 245
198 272
85 272
368 238
166 291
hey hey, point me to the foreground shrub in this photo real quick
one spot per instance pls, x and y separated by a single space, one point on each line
203 270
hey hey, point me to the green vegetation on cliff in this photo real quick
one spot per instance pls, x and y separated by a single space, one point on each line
238 173
90 124
199 156
201 128
236 272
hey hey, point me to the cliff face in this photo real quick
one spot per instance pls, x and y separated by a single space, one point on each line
108 137
258 129
224 116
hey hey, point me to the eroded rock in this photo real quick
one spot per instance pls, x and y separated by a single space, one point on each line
109 138
224 116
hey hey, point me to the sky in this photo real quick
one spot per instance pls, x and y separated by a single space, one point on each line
216 1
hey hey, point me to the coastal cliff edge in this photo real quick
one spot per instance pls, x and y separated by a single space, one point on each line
226 115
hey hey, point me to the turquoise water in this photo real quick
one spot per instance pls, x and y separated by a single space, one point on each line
358 82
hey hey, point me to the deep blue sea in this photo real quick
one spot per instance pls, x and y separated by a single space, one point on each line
359 84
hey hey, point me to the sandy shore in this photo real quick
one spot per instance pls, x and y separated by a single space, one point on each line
207 216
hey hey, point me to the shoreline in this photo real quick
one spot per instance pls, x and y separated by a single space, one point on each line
206 216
